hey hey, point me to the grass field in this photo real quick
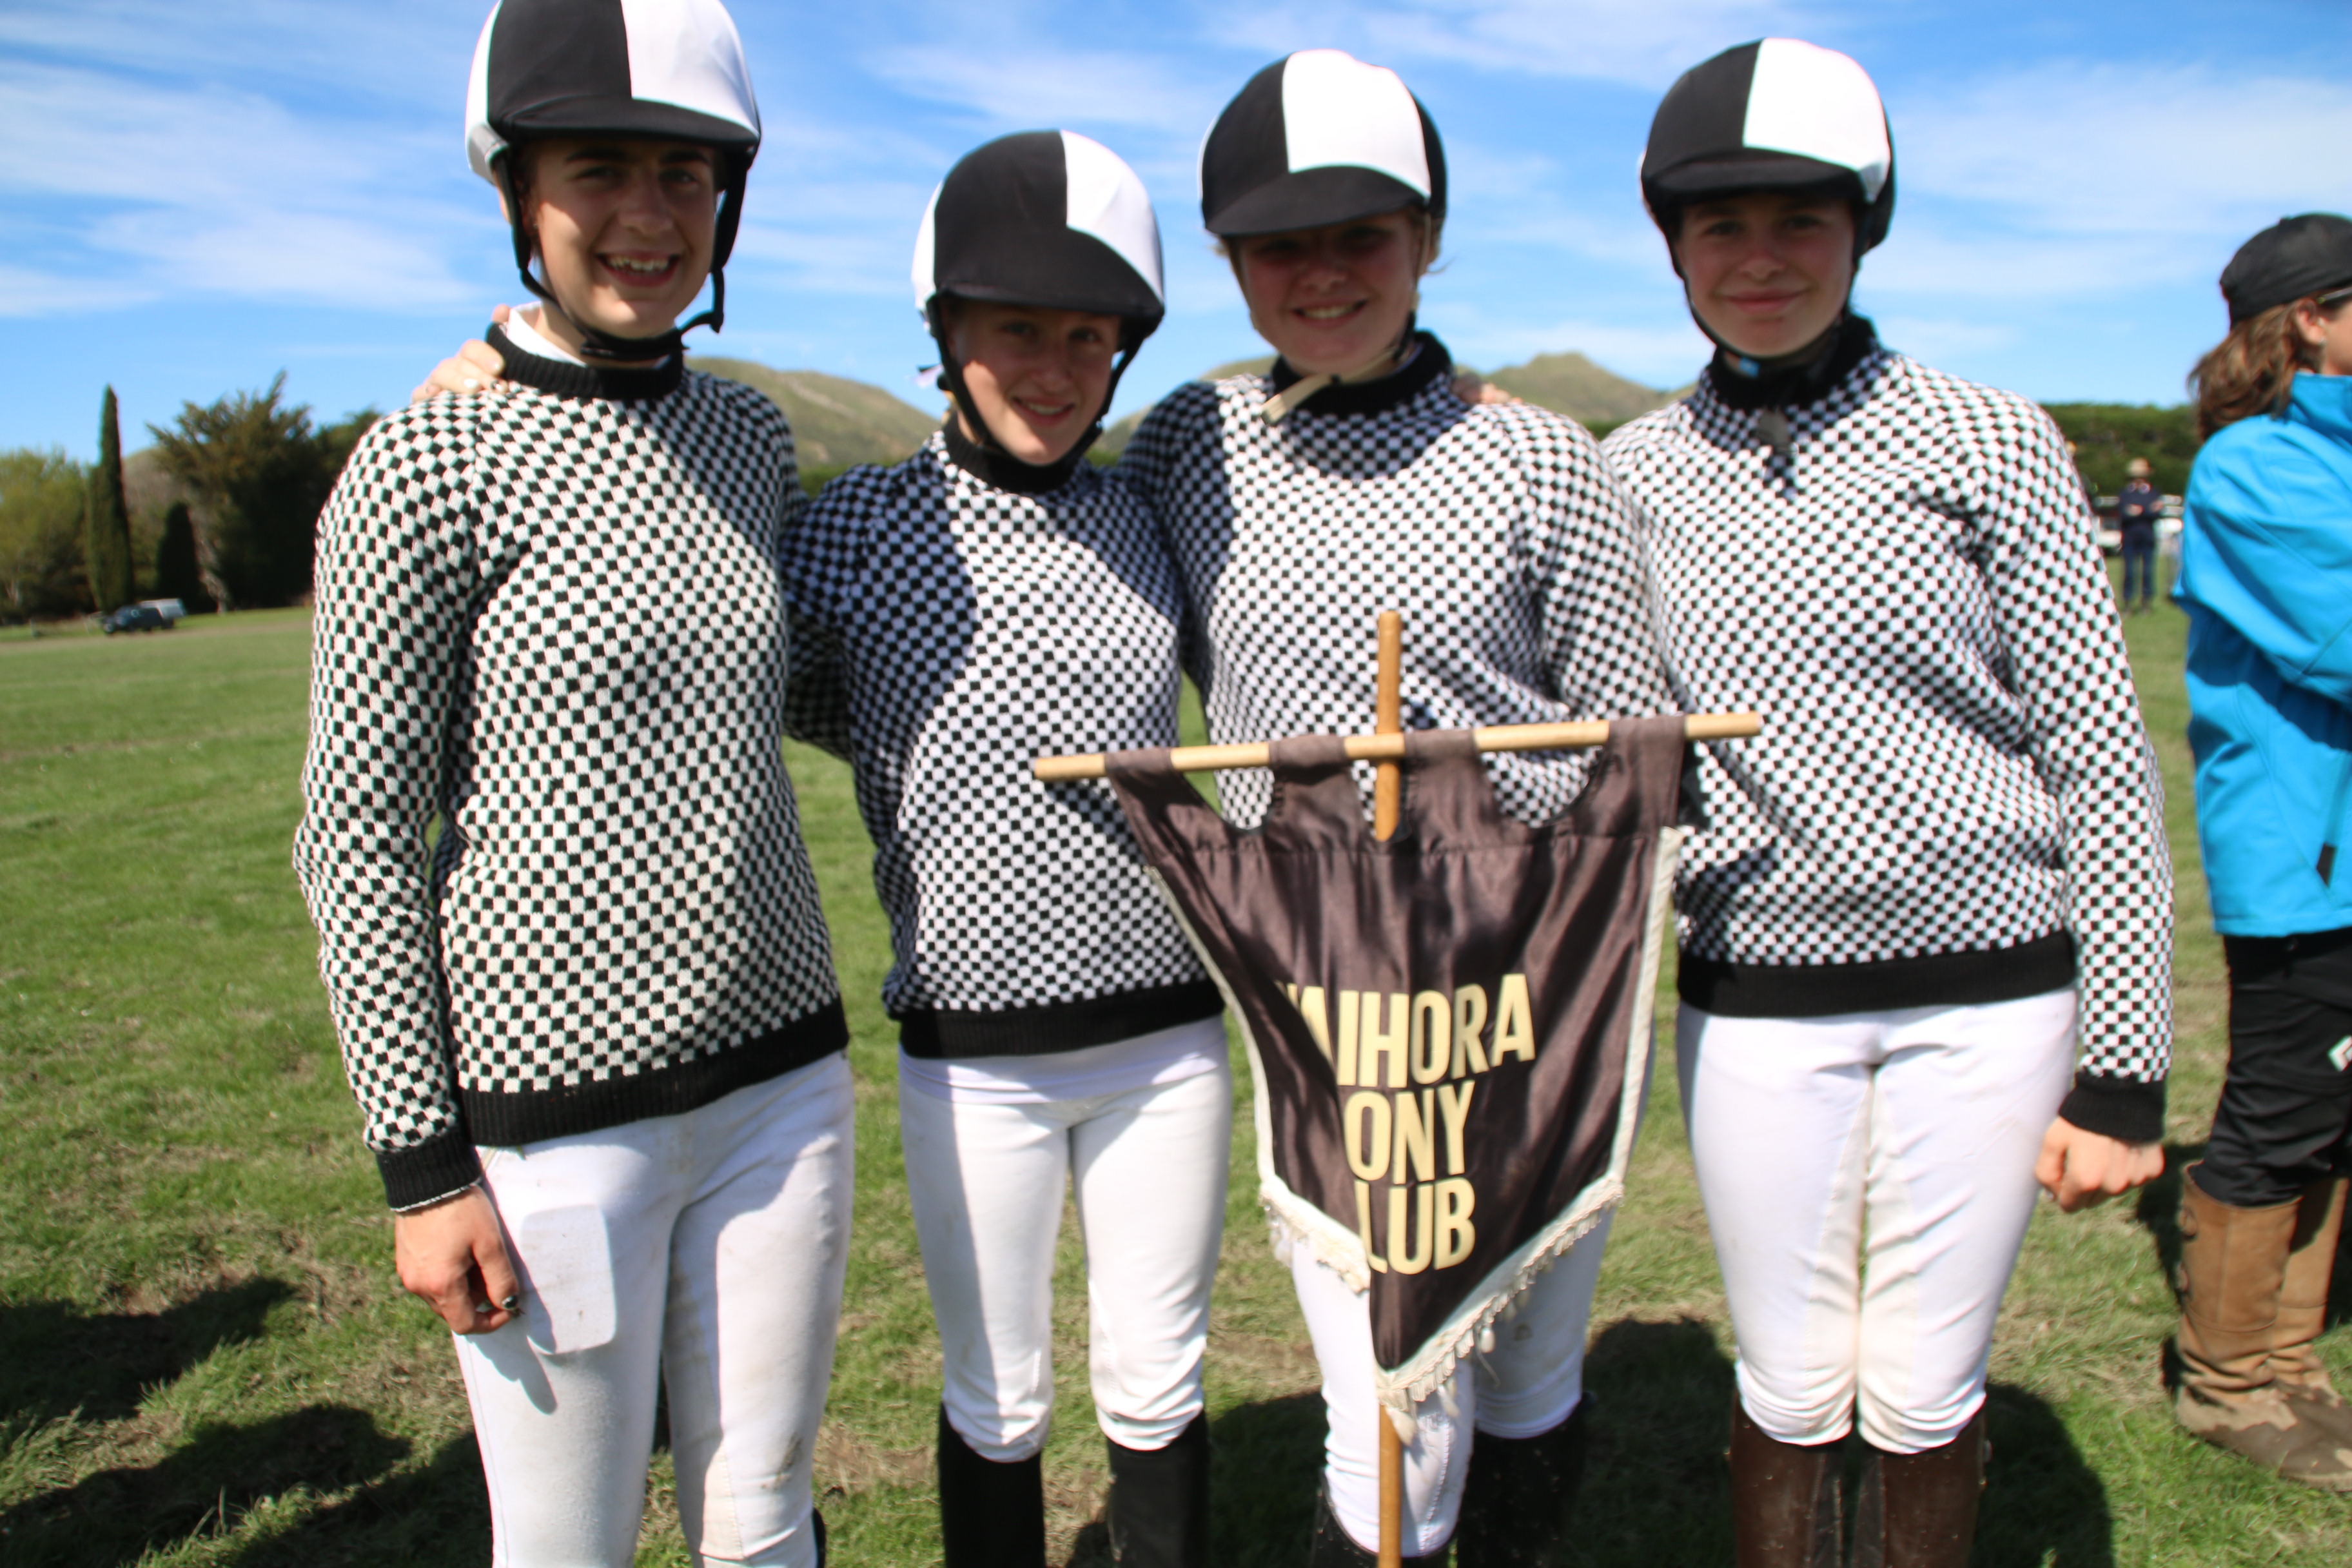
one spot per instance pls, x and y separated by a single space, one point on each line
204 1359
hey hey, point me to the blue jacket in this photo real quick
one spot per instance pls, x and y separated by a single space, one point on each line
2266 578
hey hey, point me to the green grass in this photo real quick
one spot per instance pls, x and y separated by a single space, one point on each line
203 1357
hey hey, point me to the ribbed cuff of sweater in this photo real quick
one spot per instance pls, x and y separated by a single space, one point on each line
2120 1108
428 1172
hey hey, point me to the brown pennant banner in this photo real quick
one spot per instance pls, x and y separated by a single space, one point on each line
1449 1029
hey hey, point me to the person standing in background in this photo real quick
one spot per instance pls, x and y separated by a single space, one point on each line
2266 579
2138 507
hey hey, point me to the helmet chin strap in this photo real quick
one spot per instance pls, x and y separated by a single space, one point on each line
984 438
595 343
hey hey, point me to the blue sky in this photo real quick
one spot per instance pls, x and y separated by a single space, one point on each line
198 195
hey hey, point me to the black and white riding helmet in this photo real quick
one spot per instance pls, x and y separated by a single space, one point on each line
1776 114
1318 138
671 69
1049 218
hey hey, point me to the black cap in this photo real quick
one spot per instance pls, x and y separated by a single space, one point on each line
1043 217
1777 114
1317 138
2294 259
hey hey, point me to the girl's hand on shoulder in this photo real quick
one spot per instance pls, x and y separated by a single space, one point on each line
453 1256
475 367
2081 1168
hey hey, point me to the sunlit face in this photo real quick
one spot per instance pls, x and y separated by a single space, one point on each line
1039 377
2327 329
1332 300
1766 272
623 229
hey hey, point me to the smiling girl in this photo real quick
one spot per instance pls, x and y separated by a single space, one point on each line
594 1026
1938 875
1353 479
993 598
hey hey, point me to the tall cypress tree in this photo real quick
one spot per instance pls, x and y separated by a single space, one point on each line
178 575
106 537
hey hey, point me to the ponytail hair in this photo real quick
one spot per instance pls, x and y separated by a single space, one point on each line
2253 370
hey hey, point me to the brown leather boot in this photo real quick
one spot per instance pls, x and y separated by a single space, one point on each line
1919 1510
1784 1499
2233 1274
2302 1307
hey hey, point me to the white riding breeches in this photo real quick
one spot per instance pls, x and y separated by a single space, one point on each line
704 1251
987 1180
1868 1178
1527 1384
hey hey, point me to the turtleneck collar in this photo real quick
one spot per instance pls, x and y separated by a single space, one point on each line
563 378
1796 379
1430 362
1002 469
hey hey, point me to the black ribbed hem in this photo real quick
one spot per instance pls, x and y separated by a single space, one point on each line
1003 470
1822 990
939 1032
496 1120
2120 1108
428 1171
564 379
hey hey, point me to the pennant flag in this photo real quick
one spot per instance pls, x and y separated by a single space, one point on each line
1449 1029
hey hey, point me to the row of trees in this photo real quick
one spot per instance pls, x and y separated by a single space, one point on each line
221 511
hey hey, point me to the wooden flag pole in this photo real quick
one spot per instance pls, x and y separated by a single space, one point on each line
1376 748
1388 806
1388 719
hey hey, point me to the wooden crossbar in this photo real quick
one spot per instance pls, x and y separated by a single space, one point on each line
1391 748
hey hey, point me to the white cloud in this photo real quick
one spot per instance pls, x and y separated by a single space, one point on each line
25 292
225 191
2069 183
1028 88
1646 44
417 49
1937 339
2110 149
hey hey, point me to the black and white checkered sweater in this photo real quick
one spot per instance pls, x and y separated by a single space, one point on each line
976 628
1495 529
1954 798
552 619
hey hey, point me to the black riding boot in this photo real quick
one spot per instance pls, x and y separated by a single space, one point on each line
991 1515
1332 1547
1521 1492
1160 1501
1786 1498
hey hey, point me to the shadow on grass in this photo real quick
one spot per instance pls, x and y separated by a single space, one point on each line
1659 1489
440 1513
55 1359
2044 1506
204 1487
1265 1466
2158 1207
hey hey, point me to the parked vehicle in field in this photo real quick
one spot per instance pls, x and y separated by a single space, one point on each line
146 615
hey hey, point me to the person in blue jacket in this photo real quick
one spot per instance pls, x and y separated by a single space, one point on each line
2267 580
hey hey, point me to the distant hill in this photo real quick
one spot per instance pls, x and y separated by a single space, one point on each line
1566 383
1116 436
1572 384
835 421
